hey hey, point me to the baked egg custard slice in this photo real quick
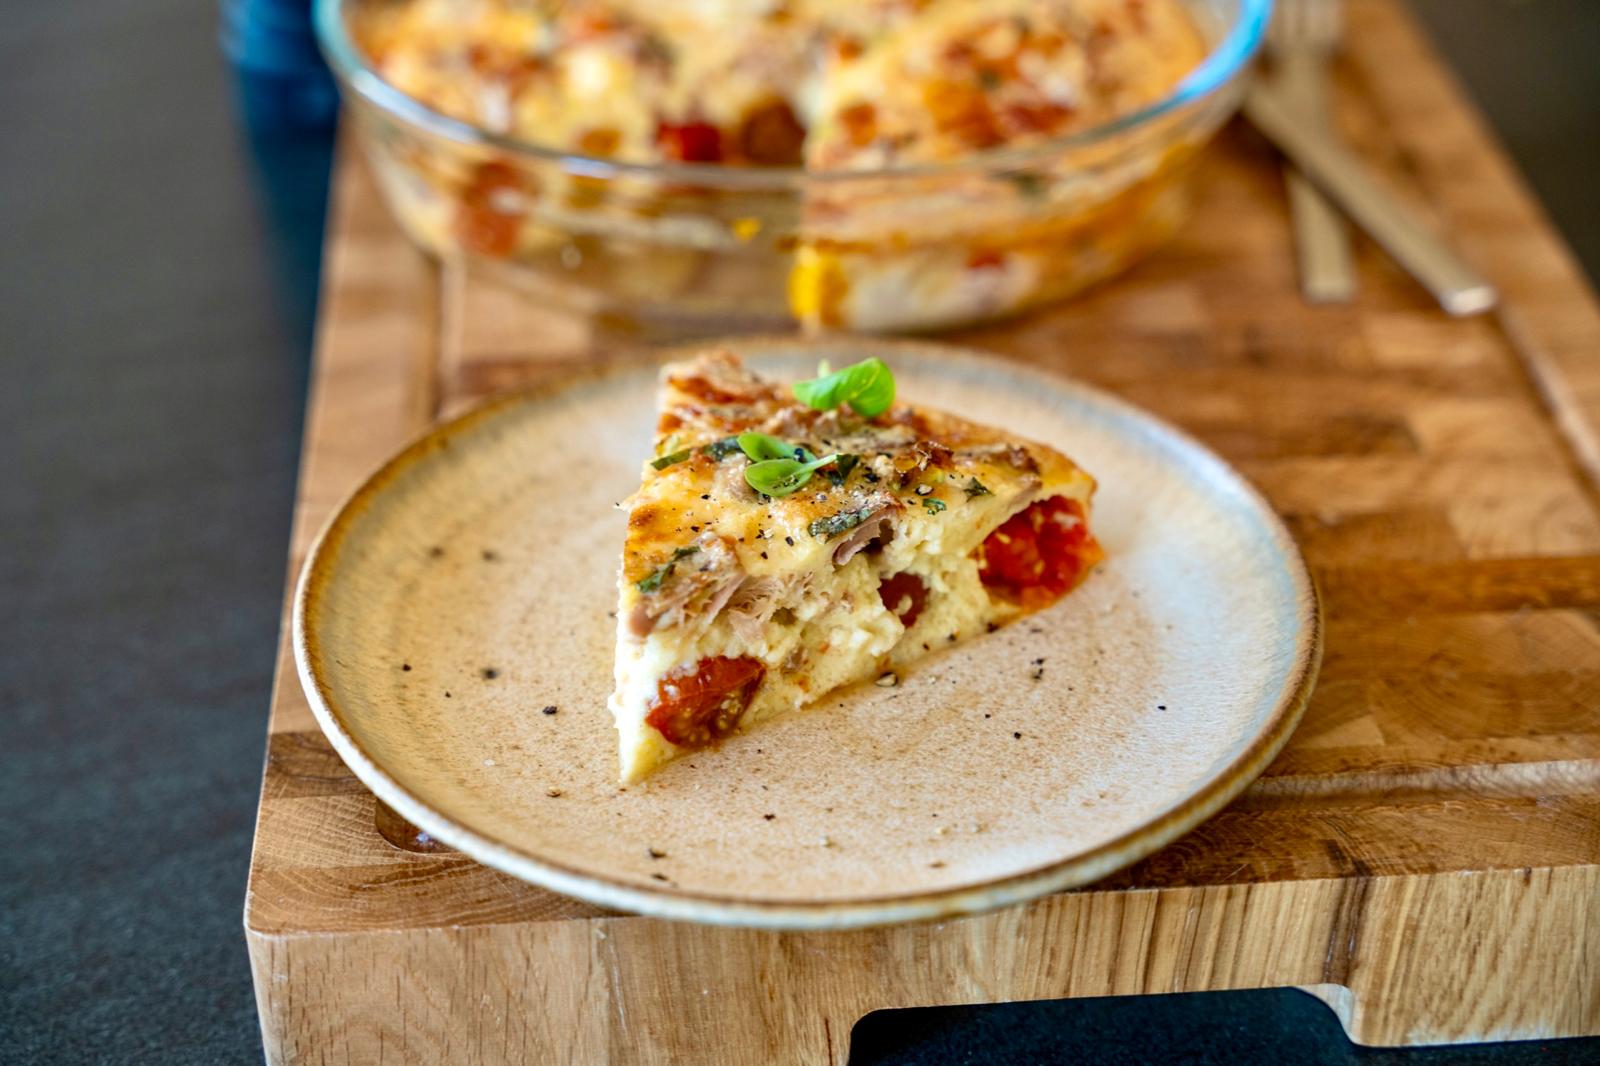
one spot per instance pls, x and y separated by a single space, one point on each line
789 540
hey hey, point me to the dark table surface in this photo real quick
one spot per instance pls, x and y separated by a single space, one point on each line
160 264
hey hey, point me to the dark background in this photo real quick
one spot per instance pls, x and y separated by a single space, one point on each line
159 266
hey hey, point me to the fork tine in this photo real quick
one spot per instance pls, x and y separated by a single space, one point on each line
1278 35
1301 40
1305 23
1322 21
1287 26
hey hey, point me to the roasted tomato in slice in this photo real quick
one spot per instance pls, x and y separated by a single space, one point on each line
905 595
1039 554
489 214
696 705
690 142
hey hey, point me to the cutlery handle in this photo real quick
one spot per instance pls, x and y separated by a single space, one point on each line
1459 289
1321 239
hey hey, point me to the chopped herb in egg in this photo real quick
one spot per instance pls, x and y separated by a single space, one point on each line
833 525
651 582
671 458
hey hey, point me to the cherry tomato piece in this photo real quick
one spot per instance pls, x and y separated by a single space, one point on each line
905 595
1040 553
694 706
690 142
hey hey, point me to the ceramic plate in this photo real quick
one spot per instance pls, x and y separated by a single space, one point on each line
469 585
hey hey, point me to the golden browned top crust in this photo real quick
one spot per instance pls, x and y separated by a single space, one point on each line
695 520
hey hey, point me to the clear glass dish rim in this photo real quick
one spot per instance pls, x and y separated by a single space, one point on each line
1226 60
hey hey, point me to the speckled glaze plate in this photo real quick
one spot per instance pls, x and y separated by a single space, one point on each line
467 588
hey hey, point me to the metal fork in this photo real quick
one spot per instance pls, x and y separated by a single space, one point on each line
1301 39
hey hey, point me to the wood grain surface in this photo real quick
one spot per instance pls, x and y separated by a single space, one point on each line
1424 856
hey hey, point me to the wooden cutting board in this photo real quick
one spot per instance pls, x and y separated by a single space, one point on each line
1424 856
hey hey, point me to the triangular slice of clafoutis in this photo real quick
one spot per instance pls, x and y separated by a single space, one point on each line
779 549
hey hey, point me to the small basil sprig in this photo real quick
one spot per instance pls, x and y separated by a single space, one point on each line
779 477
759 446
777 467
867 386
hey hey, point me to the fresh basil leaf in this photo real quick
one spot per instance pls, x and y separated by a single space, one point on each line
776 477
671 458
780 477
867 386
934 506
874 388
760 447
822 393
976 488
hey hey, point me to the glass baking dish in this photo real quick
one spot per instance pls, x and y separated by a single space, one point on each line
696 247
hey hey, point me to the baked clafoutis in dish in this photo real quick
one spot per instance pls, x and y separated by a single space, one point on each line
842 93
828 84
788 540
